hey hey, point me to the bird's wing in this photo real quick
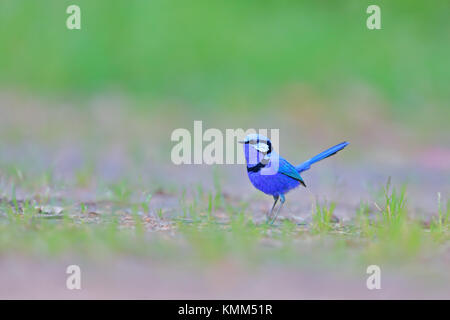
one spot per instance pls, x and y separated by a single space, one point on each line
289 170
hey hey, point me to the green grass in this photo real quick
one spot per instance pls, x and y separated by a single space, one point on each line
440 225
322 218
226 53
385 234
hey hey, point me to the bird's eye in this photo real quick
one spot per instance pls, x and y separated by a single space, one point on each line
252 141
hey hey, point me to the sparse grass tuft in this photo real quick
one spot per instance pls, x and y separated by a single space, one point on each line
120 192
322 217
394 211
440 225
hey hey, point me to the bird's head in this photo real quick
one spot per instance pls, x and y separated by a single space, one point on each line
256 148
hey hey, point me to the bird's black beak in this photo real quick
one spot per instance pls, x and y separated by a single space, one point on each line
242 141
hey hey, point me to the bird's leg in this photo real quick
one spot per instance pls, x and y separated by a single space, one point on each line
271 210
279 208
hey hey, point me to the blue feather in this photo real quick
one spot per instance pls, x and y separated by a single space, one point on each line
325 154
289 170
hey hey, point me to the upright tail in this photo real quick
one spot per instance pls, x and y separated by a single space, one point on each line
325 154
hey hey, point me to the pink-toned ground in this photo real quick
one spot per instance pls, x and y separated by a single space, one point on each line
136 279
87 151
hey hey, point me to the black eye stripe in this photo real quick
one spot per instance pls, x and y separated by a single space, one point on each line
256 168
269 144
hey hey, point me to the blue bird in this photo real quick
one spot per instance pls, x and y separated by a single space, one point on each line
273 175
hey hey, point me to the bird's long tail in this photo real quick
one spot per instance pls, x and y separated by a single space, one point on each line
325 154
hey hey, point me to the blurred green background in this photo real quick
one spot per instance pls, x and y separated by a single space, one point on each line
221 54
86 118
